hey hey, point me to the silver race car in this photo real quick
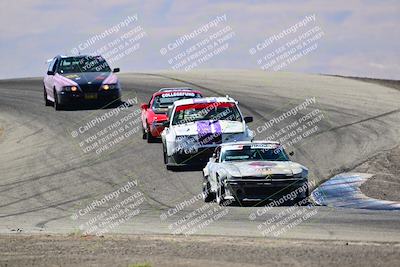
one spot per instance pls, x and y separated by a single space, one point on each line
259 170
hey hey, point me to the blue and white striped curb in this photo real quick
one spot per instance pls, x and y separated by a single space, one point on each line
343 190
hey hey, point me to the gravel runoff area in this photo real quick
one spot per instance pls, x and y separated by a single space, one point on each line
160 250
385 184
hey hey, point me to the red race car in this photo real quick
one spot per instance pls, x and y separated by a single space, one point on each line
155 112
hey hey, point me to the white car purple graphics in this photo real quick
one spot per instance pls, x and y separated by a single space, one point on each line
259 170
72 79
196 126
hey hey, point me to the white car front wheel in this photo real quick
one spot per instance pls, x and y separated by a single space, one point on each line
220 196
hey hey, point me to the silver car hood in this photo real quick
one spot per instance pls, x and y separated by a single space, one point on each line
263 168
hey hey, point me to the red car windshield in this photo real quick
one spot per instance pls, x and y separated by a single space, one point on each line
206 111
168 98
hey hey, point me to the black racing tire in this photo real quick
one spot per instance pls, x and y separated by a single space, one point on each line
220 195
149 136
208 196
165 156
46 101
57 106
144 134
304 200
117 102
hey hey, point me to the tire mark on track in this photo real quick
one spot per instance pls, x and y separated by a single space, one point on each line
30 197
44 207
359 121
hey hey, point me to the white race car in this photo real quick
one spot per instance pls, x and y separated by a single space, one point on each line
197 126
259 170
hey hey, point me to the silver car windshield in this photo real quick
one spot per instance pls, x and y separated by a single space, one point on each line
253 154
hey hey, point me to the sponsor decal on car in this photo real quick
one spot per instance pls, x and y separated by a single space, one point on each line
263 146
205 100
178 94
208 127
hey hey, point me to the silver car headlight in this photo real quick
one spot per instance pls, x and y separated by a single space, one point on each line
298 175
302 174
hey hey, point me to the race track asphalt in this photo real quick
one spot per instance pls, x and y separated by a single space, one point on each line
45 177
